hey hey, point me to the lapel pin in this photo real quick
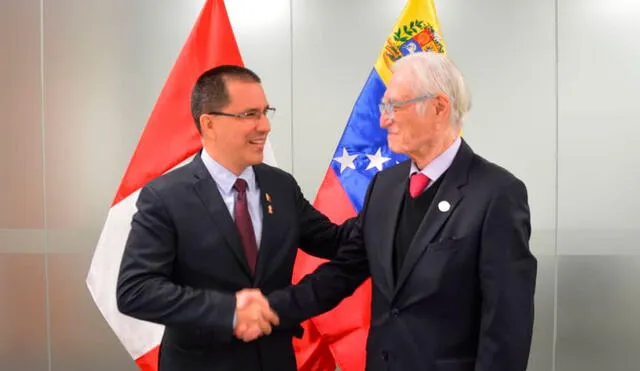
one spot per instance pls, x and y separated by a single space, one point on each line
444 206
270 209
268 197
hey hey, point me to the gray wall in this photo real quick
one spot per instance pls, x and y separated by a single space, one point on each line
555 88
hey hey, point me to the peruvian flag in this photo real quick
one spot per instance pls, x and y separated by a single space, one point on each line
170 139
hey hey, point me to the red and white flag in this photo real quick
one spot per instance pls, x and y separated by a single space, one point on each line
170 139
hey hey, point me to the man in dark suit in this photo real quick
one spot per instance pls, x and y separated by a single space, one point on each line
221 224
444 236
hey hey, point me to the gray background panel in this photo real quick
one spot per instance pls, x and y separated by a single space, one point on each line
23 313
598 306
21 195
598 162
598 88
80 338
542 347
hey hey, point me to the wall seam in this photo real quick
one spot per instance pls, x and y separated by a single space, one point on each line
291 77
557 193
44 194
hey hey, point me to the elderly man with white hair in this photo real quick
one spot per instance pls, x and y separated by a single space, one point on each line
444 237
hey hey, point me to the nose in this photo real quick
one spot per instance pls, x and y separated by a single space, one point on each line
385 120
264 125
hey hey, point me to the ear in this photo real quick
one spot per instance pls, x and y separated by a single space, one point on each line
206 124
442 105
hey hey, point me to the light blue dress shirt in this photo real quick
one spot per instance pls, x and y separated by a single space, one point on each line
225 180
440 164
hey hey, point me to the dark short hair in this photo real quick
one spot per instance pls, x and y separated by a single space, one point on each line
210 91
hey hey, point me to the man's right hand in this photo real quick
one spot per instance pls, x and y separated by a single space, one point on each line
254 316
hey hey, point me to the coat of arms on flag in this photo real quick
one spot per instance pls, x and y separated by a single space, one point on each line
413 37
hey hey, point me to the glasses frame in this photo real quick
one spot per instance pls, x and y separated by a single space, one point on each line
269 112
389 107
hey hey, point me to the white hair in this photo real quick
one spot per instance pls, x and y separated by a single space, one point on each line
435 73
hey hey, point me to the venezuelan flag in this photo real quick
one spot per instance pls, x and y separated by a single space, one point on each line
361 152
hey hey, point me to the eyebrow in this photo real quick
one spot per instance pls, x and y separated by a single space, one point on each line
254 109
390 100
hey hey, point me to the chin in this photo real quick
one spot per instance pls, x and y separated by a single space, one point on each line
255 160
400 150
395 147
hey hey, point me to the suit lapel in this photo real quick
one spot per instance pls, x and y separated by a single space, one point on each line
207 190
437 215
395 193
273 222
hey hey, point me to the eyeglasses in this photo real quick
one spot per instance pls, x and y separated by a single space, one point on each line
249 115
390 107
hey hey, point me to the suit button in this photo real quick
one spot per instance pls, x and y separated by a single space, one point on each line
384 355
395 312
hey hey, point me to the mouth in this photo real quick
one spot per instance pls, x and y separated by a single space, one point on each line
258 141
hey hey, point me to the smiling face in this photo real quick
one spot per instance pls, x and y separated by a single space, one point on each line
412 131
238 142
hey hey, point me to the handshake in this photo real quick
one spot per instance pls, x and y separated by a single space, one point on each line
254 316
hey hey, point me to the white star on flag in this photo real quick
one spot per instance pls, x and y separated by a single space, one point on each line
346 160
377 160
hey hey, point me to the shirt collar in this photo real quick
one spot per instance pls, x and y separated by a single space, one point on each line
224 178
440 164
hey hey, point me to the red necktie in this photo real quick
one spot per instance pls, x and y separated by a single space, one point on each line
417 184
243 222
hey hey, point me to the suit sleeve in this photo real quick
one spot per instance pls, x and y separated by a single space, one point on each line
507 277
145 289
319 236
331 282
325 288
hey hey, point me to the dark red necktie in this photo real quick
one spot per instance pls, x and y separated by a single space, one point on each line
417 184
244 225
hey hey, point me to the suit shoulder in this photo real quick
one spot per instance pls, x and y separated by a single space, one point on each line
172 180
273 172
493 174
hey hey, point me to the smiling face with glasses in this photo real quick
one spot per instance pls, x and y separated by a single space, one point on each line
236 133
413 130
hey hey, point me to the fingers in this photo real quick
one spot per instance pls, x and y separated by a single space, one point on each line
264 325
248 297
240 329
250 334
251 324
254 316
261 316
247 333
270 316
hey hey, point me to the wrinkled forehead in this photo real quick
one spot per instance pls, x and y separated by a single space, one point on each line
399 87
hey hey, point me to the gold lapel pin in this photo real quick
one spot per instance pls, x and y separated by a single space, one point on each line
268 197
